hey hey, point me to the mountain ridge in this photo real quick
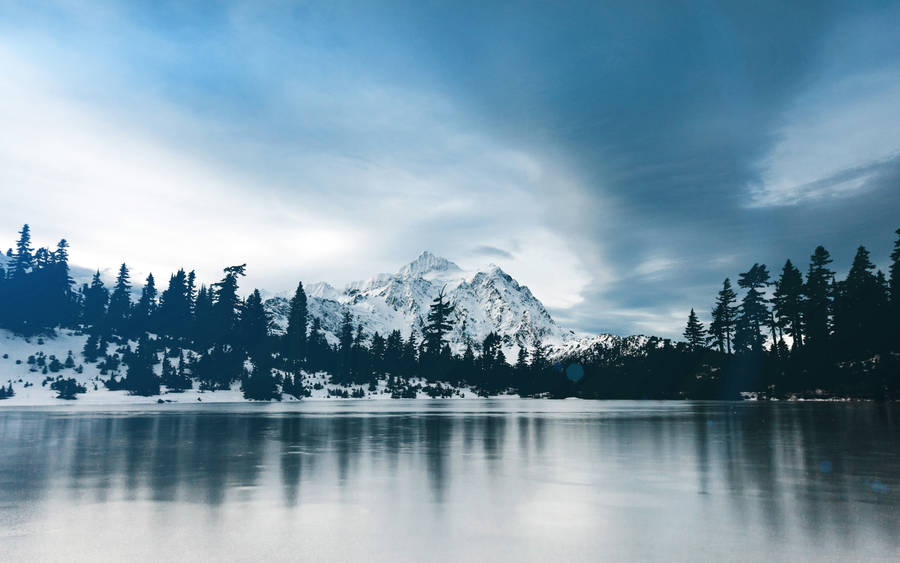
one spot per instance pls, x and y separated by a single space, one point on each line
487 300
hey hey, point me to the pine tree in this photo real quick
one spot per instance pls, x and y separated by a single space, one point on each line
439 323
754 312
141 380
295 335
95 300
861 300
894 291
345 344
819 297
694 332
174 315
145 310
119 312
225 308
23 259
788 302
521 360
254 325
724 317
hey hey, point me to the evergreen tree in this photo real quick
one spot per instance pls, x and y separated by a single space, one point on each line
724 317
894 291
141 380
145 310
694 332
754 312
393 353
203 316
225 308
861 301
119 312
95 300
174 315
261 385
439 323
521 360
295 335
788 302
819 296
254 325
345 346
23 260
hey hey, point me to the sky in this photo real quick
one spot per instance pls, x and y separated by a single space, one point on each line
620 159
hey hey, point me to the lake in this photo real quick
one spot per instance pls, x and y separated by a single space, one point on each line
482 480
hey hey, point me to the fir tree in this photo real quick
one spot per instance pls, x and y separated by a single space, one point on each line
119 311
345 347
788 302
141 380
23 259
254 325
894 292
225 308
861 302
145 309
295 335
754 313
724 317
818 307
439 324
694 332
95 300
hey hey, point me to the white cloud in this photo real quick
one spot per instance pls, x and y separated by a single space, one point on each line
132 186
835 138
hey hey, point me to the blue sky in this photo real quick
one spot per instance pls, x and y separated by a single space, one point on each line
620 159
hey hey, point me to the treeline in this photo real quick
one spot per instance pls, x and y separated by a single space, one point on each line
211 337
796 335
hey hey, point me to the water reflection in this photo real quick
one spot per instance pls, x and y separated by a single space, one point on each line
479 480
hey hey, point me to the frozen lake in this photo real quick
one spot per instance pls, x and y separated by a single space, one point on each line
451 480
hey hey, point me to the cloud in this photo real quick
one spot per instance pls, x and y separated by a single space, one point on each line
619 160
491 251
836 138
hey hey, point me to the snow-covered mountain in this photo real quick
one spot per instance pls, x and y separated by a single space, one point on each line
486 300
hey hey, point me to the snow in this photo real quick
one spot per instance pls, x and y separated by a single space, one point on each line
487 300
29 391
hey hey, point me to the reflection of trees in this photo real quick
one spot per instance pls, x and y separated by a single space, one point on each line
756 465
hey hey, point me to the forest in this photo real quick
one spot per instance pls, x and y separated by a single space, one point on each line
795 336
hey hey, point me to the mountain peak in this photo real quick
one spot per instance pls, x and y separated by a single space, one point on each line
428 263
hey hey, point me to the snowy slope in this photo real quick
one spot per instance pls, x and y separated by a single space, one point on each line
32 385
485 300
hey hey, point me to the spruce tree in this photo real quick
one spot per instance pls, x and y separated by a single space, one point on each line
724 317
439 323
788 302
95 300
141 379
754 314
819 296
145 309
345 347
861 301
894 292
225 308
119 312
694 332
23 260
295 335
254 325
